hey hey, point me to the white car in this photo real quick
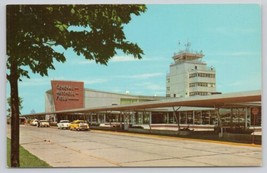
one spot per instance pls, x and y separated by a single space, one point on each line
43 123
63 124
34 122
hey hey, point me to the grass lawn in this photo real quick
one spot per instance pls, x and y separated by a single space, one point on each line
27 160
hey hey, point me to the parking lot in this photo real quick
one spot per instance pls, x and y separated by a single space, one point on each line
65 148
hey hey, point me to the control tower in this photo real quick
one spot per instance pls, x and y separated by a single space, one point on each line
189 75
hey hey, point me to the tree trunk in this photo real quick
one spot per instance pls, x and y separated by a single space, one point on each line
177 118
13 80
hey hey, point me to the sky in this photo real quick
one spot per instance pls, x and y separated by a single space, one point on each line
229 36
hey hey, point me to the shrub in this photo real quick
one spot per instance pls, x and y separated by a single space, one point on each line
239 130
137 127
94 124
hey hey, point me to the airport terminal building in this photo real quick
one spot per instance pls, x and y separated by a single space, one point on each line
58 100
65 95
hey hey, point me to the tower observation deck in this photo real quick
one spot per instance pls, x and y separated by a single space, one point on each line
183 56
187 55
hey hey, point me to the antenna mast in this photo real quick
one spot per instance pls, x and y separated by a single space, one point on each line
187 46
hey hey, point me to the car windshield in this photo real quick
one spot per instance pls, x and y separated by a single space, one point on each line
64 121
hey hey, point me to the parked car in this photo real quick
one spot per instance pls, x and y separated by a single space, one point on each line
43 123
79 125
63 124
34 122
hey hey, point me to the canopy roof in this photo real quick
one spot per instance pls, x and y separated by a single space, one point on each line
240 99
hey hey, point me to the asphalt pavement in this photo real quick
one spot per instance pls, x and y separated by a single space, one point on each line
65 148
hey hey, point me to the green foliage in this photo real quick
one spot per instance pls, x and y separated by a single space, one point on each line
137 127
26 158
33 31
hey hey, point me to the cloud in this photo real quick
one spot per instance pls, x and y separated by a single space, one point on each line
115 59
98 80
35 82
250 82
235 84
123 59
129 58
142 76
151 86
47 81
236 54
146 75
244 53
95 81
79 61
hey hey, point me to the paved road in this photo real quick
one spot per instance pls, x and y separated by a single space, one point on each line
65 148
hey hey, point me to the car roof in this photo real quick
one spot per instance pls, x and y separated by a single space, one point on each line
76 121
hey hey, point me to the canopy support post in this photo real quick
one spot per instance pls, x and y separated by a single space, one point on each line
177 118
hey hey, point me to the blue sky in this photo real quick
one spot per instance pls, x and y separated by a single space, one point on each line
228 35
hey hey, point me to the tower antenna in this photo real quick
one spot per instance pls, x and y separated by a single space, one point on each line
187 46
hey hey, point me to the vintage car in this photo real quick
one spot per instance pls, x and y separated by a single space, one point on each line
34 122
79 125
63 124
43 123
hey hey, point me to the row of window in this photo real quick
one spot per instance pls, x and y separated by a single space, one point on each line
168 80
207 75
202 84
168 88
236 116
198 93
211 68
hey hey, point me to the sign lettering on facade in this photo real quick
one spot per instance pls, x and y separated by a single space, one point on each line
68 94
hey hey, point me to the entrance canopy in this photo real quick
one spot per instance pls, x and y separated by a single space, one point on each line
230 100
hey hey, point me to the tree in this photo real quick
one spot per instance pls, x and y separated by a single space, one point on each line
34 30
9 104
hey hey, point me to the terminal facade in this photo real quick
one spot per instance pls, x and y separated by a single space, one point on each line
194 117
201 117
